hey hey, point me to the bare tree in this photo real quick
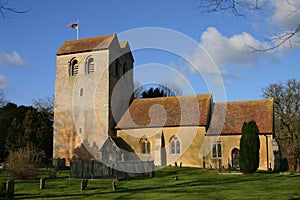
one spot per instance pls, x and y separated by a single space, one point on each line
245 7
138 90
2 99
5 8
286 98
45 105
170 88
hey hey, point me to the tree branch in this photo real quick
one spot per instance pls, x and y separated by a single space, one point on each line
4 7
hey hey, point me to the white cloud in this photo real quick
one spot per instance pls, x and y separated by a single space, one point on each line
11 59
285 14
225 51
284 18
3 83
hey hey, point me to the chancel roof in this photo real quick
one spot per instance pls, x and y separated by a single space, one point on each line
228 118
167 112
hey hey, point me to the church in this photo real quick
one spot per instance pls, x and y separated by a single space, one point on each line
97 118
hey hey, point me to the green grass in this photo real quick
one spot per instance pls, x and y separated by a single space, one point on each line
193 183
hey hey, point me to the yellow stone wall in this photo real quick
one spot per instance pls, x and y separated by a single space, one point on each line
233 141
190 138
195 146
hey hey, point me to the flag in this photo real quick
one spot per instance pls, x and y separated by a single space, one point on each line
73 25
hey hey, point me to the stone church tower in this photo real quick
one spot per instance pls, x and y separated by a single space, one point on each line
93 89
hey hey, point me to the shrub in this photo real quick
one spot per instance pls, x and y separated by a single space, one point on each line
249 148
3 190
21 164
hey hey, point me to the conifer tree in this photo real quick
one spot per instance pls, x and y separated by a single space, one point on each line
249 148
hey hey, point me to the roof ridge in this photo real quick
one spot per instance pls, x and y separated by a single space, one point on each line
94 37
169 97
244 101
86 44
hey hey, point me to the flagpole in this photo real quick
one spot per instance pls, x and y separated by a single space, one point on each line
77 29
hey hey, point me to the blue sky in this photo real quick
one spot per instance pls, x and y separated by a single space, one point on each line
29 41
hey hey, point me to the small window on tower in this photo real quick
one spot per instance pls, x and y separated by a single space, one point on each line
90 66
124 68
73 68
117 63
81 92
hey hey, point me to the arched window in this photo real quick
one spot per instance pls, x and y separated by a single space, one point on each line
73 71
90 65
117 65
124 68
175 148
145 146
81 92
217 149
235 155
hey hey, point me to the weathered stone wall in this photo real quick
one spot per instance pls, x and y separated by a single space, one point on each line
83 104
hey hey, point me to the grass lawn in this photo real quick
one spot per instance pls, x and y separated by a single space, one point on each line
193 183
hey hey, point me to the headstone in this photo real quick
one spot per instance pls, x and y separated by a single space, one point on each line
151 174
84 184
10 186
114 187
42 183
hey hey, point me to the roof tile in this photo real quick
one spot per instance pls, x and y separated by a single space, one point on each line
167 112
228 118
86 44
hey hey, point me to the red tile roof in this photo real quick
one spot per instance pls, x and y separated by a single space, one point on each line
86 44
236 113
167 112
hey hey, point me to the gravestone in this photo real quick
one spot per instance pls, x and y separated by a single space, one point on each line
42 183
10 186
114 187
84 184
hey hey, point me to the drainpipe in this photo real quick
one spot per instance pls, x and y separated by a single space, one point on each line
267 147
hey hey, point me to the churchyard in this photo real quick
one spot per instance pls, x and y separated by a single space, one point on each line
192 183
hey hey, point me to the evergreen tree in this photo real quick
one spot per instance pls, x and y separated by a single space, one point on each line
249 148
152 93
26 127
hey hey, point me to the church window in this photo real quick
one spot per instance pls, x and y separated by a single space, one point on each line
145 146
73 71
81 92
217 149
124 68
117 65
90 66
175 146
